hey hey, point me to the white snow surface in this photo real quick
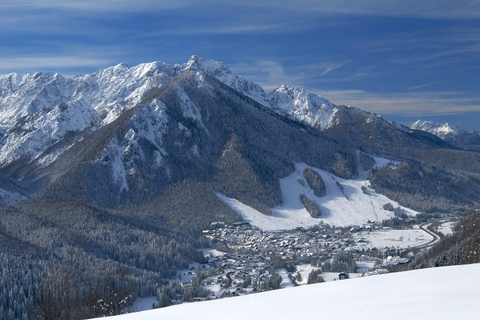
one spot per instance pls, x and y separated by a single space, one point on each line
402 239
437 293
352 208
303 106
447 227
149 124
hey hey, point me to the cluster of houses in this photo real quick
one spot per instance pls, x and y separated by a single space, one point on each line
250 258
233 274
300 244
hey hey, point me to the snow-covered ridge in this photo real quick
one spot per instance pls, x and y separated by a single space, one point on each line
442 130
304 106
37 110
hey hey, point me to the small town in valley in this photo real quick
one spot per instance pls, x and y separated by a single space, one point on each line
248 260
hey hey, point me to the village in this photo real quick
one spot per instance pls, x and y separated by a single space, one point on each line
248 260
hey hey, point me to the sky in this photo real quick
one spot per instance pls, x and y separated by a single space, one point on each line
405 60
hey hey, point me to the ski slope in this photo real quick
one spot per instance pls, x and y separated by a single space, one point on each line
341 208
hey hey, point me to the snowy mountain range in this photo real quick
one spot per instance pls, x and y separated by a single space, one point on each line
449 133
155 124
39 110
444 131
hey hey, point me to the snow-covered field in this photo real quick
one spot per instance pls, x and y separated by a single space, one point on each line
447 227
401 239
437 293
350 207
305 269
143 304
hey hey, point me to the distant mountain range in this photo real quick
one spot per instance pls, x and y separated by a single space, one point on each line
451 134
123 168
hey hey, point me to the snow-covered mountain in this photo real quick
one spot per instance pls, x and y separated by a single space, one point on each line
37 110
418 294
156 124
450 133
443 130
303 106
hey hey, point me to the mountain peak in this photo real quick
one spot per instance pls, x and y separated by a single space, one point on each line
449 133
121 66
213 67
443 130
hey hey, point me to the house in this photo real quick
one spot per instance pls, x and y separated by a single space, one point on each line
218 225
412 221
242 225
354 229
343 275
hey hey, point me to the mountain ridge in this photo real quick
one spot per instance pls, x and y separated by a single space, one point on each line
57 103
452 134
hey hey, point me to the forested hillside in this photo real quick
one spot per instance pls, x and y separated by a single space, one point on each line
461 247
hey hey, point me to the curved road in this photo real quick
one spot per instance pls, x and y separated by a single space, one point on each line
435 236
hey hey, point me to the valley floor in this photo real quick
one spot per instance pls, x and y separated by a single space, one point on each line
253 253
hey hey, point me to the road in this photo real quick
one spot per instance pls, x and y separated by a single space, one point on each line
435 236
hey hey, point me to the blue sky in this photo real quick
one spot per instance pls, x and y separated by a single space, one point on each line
406 60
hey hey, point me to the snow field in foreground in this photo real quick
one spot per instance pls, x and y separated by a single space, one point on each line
437 293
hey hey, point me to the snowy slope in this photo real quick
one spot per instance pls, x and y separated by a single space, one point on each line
350 207
439 293
303 106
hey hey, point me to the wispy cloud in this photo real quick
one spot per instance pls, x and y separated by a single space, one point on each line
321 68
243 16
439 9
94 5
407 104
424 85
58 62
276 71
443 8
270 74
